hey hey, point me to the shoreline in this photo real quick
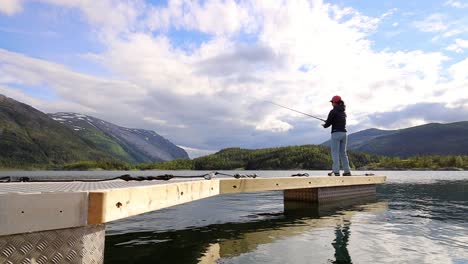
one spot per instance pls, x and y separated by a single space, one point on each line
359 170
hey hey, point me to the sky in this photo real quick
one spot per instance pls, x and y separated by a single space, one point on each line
200 73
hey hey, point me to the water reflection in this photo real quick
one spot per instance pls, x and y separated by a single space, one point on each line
213 243
340 243
442 200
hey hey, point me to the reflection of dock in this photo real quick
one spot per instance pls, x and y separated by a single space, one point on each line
249 241
65 221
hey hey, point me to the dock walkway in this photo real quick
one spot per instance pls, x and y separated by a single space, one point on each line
34 216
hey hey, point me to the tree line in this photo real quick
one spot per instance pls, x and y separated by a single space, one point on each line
306 157
421 162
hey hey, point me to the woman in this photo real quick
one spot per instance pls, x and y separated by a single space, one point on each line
337 120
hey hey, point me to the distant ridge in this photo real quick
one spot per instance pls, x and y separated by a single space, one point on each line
128 144
428 139
29 137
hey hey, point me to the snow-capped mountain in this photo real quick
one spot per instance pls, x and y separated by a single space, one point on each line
129 144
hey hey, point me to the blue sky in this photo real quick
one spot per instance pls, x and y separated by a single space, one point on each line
60 34
197 71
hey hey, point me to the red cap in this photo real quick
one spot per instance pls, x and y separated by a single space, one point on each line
336 99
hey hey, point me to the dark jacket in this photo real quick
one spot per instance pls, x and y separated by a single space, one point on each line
337 119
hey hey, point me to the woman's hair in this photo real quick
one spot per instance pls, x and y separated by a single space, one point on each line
341 102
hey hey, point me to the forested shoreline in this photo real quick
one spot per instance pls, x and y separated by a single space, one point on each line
307 157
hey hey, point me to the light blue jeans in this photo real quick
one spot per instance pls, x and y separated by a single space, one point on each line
338 149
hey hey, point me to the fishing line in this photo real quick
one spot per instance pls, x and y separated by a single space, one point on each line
309 115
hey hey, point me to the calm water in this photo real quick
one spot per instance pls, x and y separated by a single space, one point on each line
417 217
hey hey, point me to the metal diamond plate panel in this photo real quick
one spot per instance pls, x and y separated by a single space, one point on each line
330 194
68 246
327 194
306 194
41 187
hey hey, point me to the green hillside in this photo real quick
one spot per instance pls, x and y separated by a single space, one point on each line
107 144
32 139
355 140
90 132
307 157
29 137
125 144
429 139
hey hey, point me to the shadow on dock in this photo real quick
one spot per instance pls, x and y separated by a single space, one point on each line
214 242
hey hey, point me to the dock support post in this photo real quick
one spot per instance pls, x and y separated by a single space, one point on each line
70 245
329 194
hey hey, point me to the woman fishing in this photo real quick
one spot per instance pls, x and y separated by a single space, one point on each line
337 120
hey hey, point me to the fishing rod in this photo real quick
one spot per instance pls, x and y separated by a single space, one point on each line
296 111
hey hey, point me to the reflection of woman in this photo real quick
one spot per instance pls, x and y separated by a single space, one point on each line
337 120
341 244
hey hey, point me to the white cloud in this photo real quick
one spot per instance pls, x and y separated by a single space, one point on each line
115 15
459 71
42 104
456 4
212 16
272 124
389 13
154 120
20 96
211 95
453 32
10 7
459 46
442 25
195 153
161 122
432 23
92 92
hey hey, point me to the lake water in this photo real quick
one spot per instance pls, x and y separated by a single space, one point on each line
417 217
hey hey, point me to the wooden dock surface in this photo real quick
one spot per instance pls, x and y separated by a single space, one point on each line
30 207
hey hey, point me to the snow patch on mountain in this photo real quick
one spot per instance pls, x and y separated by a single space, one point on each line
143 145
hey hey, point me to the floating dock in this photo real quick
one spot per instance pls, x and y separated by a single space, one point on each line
65 222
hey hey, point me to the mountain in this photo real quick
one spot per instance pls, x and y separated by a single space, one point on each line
30 137
360 138
428 139
127 144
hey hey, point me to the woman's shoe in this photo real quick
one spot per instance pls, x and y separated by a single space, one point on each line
333 173
347 174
